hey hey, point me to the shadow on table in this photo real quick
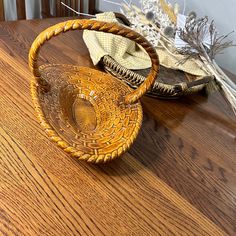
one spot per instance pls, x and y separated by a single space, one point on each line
157 139
151 142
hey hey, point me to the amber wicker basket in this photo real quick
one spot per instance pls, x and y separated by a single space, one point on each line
89 114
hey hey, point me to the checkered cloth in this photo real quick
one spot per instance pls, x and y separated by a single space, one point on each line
123 50
128 54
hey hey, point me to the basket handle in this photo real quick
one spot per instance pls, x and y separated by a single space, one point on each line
113 28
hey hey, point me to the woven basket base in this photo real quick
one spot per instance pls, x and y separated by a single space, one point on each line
82 112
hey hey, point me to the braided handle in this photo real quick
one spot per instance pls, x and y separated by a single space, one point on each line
103 27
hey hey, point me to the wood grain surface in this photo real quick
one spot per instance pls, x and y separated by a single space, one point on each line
177 179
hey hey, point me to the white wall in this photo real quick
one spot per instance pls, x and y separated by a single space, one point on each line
223 13
33 9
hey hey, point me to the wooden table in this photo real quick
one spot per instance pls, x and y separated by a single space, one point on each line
177 179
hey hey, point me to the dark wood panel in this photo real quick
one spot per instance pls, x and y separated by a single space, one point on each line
74 5
81 6
2 16
92 7
62 11
45 8
20 7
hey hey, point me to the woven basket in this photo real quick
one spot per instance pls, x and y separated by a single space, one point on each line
180 84
89 114
188 84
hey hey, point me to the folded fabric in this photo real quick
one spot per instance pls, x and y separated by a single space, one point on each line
123 50
130 55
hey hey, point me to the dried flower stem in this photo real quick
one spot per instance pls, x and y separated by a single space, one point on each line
193 34
226 84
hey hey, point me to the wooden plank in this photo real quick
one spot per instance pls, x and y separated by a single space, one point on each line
20 6
75 6
65 9
92 7
185 146
182 218
81 8
45 8
2 16
58 8
42 201
50 210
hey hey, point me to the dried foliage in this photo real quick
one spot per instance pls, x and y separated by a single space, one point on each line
194 33
151 20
